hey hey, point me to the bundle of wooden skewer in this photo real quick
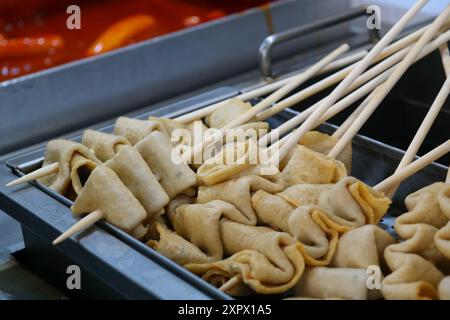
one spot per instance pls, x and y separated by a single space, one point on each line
305 226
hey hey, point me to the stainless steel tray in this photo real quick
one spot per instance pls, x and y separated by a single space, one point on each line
110 254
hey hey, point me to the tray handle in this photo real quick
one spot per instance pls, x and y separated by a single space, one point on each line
265 49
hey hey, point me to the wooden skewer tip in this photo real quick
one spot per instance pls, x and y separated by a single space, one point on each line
39 173
231 283
81 225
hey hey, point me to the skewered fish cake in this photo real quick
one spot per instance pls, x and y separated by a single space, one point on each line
176 248
135 130
136 175
171 125
232 160
200 223
238 192
418 265
347 277
73 158
316 215
308 166
227 113
156 150
444 289
231 110
269 262
334 283
183 135
105 191
104 145
413 277
323 143
350 203
362 247
442 240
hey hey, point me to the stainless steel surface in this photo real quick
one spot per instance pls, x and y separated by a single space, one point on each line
274 40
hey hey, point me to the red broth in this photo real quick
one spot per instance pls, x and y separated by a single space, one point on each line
34 36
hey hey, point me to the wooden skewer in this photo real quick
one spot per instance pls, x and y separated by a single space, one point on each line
347 82
304 94
385 88
280 93
338 107
39 173
414 167
348 122
261 91
81 225
353 97
399 47
445 57
231 283
448 175
344 61
427 122
361 92
42 172
268 88
289 87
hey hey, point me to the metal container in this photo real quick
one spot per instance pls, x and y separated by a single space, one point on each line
98 88
119 265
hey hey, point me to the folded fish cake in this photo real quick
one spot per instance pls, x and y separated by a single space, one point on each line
269 262
171 245
305 223
135 130
232 160
362 247
351 203
308 166
105 191
174 177
238 192
323 143
75 164
104 145
357 250
420 262
227 113
334 283
444 289
199 224
316 215
134 172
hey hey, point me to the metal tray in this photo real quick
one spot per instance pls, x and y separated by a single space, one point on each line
133 269
113 264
